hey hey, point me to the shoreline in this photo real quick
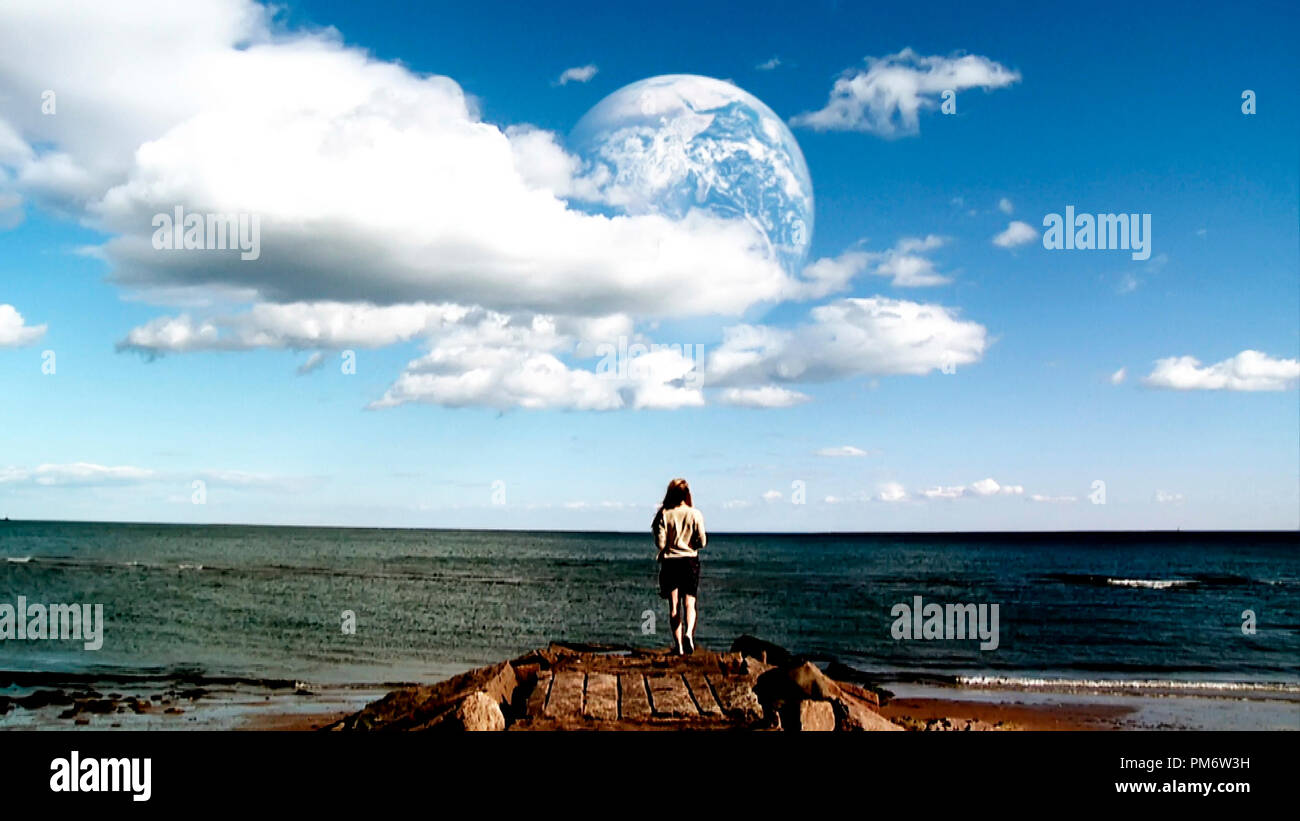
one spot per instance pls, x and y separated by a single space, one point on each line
920 707
54 701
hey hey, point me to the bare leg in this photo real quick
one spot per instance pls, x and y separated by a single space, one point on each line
689 607
675 618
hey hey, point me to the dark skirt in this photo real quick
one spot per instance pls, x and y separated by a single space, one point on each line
681 574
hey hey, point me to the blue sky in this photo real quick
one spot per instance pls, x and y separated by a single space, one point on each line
1112 111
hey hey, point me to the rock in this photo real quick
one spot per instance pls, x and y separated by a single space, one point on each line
428 707
567 685
867 683
853 715
813 683
764 651
478 712
754 668
860 693
739 701
816 716
44 698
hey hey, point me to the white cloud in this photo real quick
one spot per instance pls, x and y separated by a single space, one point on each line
1037 497
983 487
842 450
14 331
1005 206
545 165
829 275
892 492
765 396
499 361
1017 233
605 505
988 487
1247 371
944 492
84 474
886 97
577 74
769 64
772 496
1165 497
848 338
76 473
907 265
1118 377
299 326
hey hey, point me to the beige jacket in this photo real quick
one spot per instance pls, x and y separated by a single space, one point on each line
679 533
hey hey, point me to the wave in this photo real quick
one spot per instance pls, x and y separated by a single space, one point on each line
18 559
1153 584
1274 689
1193 580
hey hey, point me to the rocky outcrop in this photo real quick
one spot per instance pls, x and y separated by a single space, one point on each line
564 686
441 706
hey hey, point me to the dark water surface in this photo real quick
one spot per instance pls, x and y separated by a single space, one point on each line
266 602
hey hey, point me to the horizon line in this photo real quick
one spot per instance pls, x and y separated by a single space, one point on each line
1111 532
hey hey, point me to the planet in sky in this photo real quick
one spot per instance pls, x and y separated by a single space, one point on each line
677 142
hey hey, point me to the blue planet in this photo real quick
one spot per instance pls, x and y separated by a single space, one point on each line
677 142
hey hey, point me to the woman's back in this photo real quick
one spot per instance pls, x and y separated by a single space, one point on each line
679 532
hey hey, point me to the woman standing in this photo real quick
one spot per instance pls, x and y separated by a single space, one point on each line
679 536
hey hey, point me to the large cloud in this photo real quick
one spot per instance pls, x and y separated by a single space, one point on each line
369 182
886 97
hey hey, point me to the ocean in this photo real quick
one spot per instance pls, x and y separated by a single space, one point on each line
269 605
